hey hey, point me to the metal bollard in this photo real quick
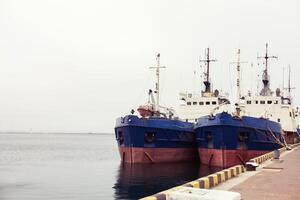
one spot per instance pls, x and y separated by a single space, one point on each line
276 154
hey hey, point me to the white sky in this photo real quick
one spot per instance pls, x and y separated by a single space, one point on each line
75 66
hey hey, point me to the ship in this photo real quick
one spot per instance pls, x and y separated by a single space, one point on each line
155 135
227 139
273 106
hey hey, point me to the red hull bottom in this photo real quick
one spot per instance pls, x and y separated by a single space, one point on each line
227 158
290 137
157 155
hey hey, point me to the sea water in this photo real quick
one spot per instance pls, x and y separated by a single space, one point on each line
40 166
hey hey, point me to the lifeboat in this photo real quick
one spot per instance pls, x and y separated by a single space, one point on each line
146 110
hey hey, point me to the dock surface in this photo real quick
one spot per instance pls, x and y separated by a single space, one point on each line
274 180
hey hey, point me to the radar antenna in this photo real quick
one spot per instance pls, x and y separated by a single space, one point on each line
266 91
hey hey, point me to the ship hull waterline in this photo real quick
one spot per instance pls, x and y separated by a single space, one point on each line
158 155
227 158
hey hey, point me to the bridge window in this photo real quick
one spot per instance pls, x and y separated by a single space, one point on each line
194 103
248 102
262 102
207 103
256 102
201 103
188 103
269 102
213 103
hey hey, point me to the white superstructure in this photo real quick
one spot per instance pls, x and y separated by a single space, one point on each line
194 106
297 115
275 108
271 106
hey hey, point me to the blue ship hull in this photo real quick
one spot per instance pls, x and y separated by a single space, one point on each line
224 140
155 140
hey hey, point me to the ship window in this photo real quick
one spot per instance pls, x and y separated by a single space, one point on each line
248 102
290 114
194 103
256 102
195 120
213 103
269 102
275 102
207 103
262 102
278 120
188 103
201 103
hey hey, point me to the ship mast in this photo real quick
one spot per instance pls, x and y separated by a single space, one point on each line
157 81
206 74
238 66
238 79
289 84
266 91
289 88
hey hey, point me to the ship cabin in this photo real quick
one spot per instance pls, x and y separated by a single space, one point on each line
194 106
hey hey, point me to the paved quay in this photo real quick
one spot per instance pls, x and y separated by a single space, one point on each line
273 180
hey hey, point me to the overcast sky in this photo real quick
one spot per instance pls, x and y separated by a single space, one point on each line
75 66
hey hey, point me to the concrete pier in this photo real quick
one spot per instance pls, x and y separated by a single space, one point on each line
274 179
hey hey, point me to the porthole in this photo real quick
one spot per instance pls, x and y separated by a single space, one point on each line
149 137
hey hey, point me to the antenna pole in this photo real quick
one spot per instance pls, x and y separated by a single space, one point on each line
282 81
238 79
157 81
206 74
289 85
289 88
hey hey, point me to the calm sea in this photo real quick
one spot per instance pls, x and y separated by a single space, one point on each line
80 166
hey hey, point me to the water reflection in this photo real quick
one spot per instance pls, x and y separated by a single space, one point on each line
139 180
